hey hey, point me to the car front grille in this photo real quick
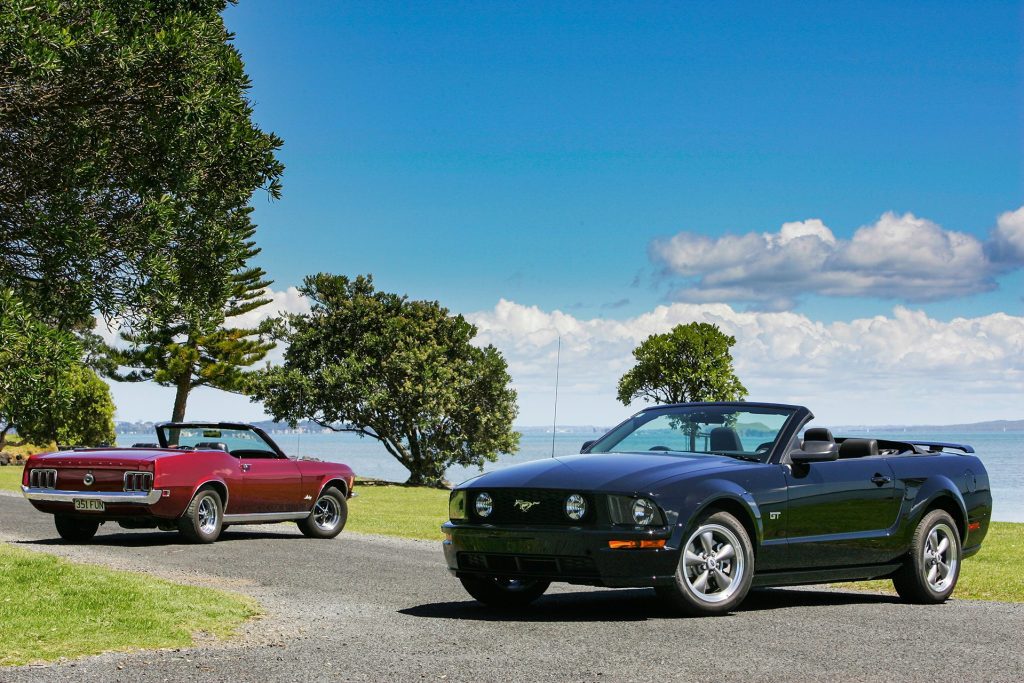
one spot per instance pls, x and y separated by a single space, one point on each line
42 479
530 506
528 565
138 481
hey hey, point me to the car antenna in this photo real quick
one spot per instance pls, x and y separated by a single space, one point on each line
554 419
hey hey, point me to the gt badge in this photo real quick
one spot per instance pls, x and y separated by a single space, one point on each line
774 515
525 505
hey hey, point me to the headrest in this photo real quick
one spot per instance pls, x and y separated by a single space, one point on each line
725 439
858 448
211 446
818 434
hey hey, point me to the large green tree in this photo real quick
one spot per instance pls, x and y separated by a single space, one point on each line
34 360
403 372
200 347
127 153
689 363
87 417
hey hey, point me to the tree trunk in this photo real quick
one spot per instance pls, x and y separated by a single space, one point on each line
3 436
181 399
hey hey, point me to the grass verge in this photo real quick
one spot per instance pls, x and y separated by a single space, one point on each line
10 478
53 608
407 511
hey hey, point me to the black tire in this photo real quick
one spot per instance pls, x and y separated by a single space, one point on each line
703 563
203 519
502 592
75 529
929 574
328 517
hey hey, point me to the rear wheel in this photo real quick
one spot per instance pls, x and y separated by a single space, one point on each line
715 568
502 592
930 573
330 512
203 518
75 529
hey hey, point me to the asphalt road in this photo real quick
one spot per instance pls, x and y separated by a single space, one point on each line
373 608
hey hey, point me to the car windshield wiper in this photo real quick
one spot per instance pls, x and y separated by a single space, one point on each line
738 456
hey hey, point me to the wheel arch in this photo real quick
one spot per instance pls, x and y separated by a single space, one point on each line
739 509
217 485
333 481
946 502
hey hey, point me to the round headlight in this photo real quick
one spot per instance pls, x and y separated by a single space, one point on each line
643 511
575 507
484 504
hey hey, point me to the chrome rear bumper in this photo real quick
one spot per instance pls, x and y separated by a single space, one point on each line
58 496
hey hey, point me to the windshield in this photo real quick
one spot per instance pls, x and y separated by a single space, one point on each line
240 442
747 432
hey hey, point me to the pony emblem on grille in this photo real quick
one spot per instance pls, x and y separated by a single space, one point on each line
525 505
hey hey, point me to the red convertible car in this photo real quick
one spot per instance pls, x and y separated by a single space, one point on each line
199 478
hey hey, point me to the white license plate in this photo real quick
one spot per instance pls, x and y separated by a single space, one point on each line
89 505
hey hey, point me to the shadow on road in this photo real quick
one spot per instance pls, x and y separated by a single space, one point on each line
150 539
637 604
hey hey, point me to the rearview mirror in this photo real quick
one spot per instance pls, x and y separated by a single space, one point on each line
586 445
815 451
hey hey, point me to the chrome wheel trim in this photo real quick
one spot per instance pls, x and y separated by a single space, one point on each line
713 563
207 514
326 513
939 560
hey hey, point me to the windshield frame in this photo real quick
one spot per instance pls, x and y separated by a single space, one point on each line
798 416
161 432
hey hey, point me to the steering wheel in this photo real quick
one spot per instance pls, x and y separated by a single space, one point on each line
659 448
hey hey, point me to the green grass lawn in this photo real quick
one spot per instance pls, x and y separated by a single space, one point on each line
10 478
408 511
53 608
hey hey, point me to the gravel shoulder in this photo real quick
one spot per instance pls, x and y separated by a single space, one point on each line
364 607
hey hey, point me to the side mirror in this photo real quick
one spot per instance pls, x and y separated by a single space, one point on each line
815 451
586 445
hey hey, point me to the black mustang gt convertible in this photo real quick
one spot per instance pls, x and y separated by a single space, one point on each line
704 500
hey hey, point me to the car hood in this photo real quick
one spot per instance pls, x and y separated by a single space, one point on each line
621 472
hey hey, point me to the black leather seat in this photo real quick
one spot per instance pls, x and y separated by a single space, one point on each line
819 434
725 439
858 448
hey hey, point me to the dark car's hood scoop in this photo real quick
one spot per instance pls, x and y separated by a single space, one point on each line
623 472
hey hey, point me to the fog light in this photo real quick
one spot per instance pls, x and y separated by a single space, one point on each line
484 504
575 507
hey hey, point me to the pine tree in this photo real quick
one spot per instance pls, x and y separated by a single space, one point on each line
202 349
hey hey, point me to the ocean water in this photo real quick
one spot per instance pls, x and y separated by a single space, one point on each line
1002 453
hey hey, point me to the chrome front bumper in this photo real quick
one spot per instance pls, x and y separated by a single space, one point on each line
128 497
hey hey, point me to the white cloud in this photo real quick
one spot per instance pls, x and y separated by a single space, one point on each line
1007 242
901 257
904 367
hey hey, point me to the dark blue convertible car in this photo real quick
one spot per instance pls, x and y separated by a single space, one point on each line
702 501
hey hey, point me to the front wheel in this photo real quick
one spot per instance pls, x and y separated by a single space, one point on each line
203 518
715 568
502 592
330 512
74 529
930 573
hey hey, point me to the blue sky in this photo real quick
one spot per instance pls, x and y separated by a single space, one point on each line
545 154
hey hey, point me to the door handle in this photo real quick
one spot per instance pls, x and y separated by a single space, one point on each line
880 479
245 467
